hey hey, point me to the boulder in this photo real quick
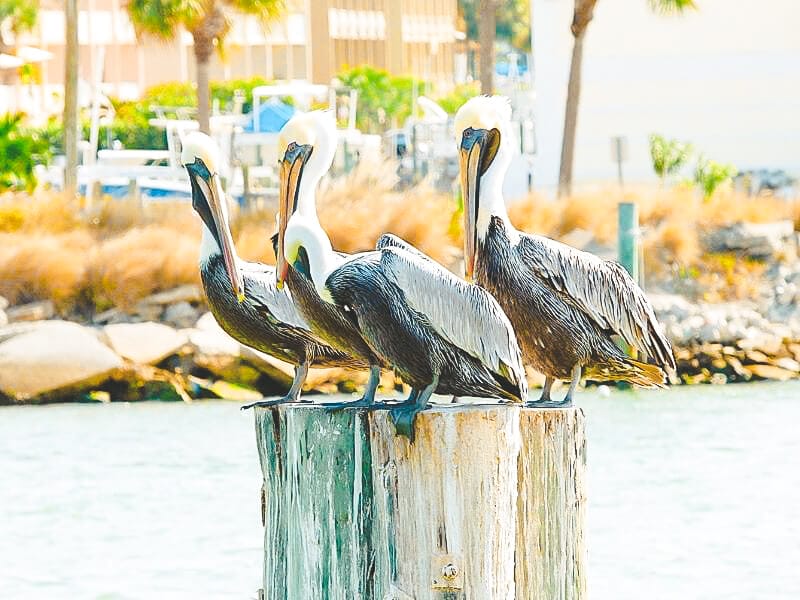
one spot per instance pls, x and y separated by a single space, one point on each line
770 372
181 315
51 357
183 293
3 303
144 343
34 311
3 318
756 240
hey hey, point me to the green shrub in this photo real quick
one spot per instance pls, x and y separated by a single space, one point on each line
384 100
709 175
20 150
458 97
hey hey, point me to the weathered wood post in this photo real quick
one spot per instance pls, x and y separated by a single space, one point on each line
487 503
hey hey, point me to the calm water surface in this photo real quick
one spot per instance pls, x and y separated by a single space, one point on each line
694 493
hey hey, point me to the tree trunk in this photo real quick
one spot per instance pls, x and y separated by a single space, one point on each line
202 60
71 98
488 502
571 119
487 30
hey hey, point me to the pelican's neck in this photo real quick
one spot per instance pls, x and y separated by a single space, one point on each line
492 203
208 246
307 197
322 260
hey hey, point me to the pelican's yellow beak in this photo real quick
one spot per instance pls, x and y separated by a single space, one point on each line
477 151
291 172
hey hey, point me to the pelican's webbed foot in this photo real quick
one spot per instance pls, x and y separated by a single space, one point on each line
405 413
367 400
293 395
278 401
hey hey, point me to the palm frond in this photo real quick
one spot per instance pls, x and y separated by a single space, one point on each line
672 6
265 10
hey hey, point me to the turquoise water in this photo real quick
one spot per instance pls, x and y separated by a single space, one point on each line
693 493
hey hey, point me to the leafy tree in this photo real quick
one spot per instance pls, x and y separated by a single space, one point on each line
456 98
208 22
16 16
581 17
513 21
384 100
709 175
19 152
668 155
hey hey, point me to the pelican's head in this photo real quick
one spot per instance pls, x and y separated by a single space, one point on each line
306 147
482 128
200 156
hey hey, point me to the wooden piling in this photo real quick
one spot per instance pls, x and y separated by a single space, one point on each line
487 503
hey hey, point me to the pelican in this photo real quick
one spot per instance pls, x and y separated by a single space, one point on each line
440 333
306 148
565 304
243 296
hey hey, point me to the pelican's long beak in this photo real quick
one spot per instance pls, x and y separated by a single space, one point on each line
291 171
207 199
478 149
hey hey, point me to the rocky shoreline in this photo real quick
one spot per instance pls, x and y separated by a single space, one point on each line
169 347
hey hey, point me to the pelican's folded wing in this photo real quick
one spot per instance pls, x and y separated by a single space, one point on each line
464 314
601 289
261 290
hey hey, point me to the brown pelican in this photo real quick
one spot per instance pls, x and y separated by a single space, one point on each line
440 333
306 148
243 296
565 304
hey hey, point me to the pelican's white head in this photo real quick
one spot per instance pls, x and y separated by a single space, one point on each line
200 155
306 147
486 145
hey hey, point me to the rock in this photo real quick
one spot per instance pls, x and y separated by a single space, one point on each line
3 303
666 305
181 315
770 372
761 341
184 293
34 311
756 240
148 312
787 363
112 315
51 358
144 343
3 318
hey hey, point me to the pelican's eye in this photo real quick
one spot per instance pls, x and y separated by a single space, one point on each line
292 146
468 132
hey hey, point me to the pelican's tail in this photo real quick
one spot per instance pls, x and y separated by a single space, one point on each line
627 369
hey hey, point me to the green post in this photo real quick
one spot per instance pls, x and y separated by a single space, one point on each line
628 238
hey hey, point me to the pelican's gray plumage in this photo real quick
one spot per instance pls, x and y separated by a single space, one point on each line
565 304
243 296
440 333
307 144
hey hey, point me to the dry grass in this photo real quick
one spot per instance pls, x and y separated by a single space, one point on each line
36 266
143 260
116 253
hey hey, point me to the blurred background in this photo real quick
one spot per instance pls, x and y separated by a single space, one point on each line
683 111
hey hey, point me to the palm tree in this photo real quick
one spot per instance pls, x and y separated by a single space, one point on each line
207 20
487 31
582 16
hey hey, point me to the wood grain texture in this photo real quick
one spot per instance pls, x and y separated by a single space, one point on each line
487 503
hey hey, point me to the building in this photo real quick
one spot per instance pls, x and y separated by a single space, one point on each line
726 79
312 41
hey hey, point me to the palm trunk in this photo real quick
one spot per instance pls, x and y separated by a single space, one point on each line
203 91
571 118
487 31
71 98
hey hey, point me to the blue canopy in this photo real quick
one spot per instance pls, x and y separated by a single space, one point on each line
272 116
